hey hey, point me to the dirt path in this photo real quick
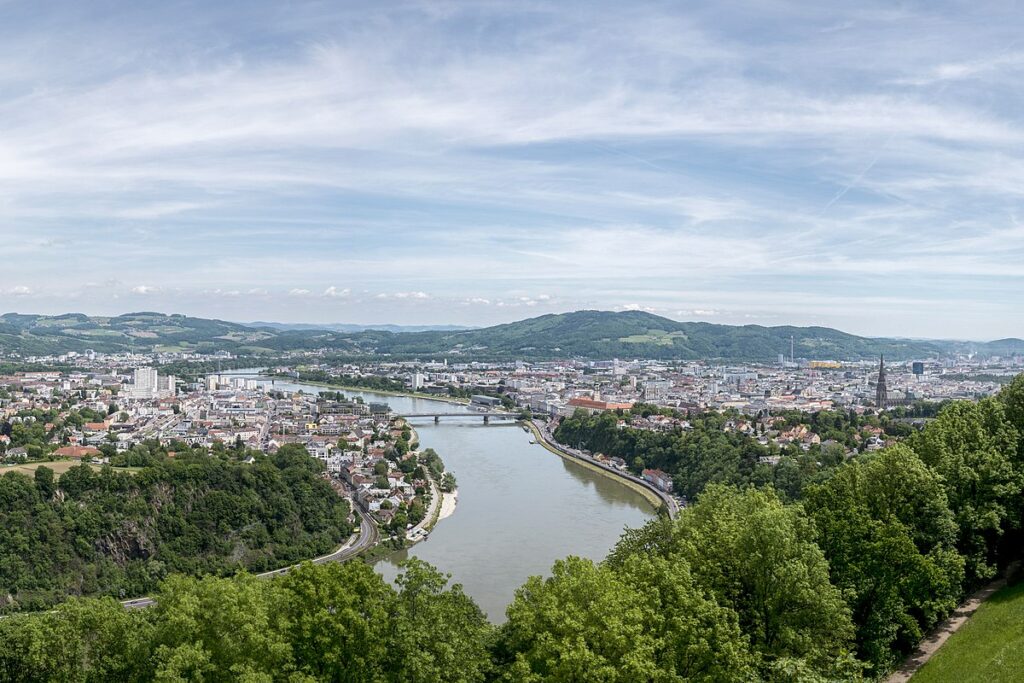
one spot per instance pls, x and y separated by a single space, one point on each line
934 640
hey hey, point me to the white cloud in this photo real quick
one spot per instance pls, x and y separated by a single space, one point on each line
20 290
630 155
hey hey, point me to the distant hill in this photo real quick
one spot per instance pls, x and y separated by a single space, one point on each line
581 334
636 334
349 327
146 331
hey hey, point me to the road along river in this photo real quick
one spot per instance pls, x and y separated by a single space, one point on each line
520 507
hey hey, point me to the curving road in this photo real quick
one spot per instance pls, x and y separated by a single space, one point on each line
367 538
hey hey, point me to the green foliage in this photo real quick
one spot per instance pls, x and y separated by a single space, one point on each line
758 557
594 334
645 620
741 586
372 382
432 461
973 447
888 533
706 454
318 623
118 533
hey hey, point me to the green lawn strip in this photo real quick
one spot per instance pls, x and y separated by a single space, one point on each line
989 647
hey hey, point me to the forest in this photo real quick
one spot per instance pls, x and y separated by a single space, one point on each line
836 583
708 452
120 532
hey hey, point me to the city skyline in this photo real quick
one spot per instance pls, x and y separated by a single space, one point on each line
441 163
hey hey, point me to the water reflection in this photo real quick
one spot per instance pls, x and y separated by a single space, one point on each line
520 506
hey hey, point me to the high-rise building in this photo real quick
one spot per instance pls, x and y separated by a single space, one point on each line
147 384
166 386
881 391
144 382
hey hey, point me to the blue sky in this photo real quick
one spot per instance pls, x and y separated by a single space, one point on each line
856 165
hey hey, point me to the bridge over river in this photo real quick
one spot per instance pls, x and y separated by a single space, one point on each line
487 416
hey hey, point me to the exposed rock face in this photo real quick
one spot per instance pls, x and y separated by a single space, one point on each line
130 542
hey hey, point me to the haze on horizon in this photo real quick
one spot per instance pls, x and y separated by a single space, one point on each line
472 163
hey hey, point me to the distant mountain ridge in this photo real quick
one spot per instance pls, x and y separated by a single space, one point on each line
350 327
637 334
580 334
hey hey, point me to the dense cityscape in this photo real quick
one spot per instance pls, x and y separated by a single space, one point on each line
111 403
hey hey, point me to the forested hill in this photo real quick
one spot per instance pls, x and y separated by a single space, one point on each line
636 334
148 331
580 334
119 533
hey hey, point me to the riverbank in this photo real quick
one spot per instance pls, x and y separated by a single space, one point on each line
650 496
382 392
439 508
448 503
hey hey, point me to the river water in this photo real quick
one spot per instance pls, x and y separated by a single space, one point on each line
520 507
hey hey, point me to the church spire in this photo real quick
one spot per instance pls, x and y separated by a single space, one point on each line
881 391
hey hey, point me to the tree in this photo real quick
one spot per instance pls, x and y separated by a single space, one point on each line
220 629
758 557
81 640
1012 398
888 534
439 632
973 447
337 619
646 620
44 482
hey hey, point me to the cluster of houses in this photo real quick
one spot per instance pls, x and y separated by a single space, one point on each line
354 439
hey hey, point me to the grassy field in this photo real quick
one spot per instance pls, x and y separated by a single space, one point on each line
59 467
989 647
660 337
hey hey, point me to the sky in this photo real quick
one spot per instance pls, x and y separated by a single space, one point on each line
853 165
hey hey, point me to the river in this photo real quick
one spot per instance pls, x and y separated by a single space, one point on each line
520 506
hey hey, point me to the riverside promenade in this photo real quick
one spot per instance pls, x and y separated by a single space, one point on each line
651 492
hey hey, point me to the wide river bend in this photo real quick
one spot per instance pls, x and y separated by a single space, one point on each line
520 506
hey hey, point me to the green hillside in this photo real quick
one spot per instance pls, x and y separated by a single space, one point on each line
635 334
148 331
989 647
581 334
